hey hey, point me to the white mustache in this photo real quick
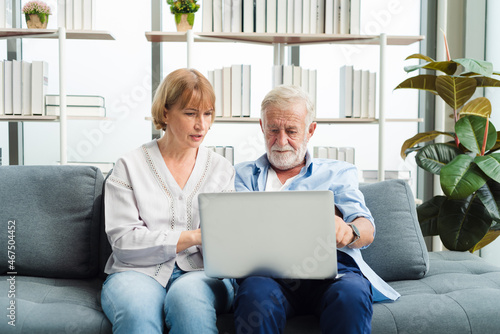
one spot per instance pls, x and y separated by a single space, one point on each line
286 148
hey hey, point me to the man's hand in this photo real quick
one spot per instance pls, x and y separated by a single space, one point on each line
345 234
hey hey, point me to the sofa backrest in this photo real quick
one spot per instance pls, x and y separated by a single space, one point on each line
56 211
398 251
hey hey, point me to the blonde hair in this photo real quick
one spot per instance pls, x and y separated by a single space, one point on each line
283 96
178 89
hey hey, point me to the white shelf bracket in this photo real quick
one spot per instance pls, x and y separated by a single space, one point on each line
62 96
381 117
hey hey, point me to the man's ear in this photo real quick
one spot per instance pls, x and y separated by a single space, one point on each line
310 131
261 126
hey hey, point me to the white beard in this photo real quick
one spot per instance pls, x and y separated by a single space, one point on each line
285 161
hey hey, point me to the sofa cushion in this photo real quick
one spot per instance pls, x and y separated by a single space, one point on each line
398 251
459 294
47 305
57 213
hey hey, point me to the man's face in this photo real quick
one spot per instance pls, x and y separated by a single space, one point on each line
286 135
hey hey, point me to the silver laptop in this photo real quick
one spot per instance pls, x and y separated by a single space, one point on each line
281 234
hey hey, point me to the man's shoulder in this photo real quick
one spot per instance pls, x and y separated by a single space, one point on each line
245 167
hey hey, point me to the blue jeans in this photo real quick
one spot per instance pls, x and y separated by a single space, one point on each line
343 305
137 303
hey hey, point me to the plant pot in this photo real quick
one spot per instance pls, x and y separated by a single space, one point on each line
184 22
37 21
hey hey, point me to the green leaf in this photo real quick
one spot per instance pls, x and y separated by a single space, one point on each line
486 240
462 223
497 144
480 106
434 157
423 82
487 82
470 131
448 67
455 91
461 177
489 194
477 66
421 138
428 213
420 56
490 165
190 19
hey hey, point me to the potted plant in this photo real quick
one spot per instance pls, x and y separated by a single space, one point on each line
37 14
467 217
184 13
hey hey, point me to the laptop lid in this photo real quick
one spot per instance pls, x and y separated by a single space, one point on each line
281 234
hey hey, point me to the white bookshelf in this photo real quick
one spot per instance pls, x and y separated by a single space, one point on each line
279 41
62 35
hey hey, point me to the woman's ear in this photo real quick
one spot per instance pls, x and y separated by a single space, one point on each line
165 115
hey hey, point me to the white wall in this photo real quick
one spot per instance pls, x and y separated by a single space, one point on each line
120 71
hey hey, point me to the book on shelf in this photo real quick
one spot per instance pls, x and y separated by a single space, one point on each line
345 94
207 15
271 16
372 95
69 15
226 151
77 14
320 17
26 88
297 17
290 16
372 175
365 93
281 14
88 14
17 89
344 21
335 153
248 16
356 93
304 79
76 100
218 92
306 17
260 16
7 84
226 24
226 91
246 89
355 17
217 15
236 92
236 15
232 87
76 111
312 87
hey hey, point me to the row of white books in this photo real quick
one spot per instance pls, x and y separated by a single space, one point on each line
23 86
76 14
232 86
226 151
372 175
76 105
357 94
297 76
336 153
282 16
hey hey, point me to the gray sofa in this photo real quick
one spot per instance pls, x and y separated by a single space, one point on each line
52 277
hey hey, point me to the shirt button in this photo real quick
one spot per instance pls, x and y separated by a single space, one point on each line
181 198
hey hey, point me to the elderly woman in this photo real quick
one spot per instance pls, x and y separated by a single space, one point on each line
156 275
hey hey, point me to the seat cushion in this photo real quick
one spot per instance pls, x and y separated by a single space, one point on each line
459 294
53 215
398 251
46 305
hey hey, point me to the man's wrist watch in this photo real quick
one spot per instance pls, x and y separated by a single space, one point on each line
355 232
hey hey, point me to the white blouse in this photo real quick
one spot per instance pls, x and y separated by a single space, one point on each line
146 210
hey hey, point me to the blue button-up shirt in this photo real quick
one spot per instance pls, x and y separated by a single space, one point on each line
323 174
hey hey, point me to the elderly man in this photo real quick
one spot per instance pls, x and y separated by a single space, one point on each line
343 305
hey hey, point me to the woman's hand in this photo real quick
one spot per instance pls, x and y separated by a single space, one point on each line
189 239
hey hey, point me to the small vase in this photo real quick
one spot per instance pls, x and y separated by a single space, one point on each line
37 21
184 22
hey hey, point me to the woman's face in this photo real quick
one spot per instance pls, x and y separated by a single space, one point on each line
188 127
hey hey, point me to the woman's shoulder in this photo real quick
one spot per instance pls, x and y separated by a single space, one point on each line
134 158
